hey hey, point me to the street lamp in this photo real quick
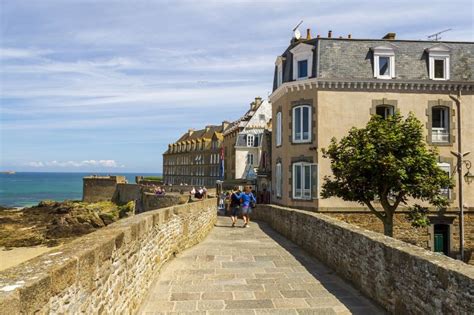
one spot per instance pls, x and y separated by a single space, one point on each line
468 177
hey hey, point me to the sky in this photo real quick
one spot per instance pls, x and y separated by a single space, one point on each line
102 85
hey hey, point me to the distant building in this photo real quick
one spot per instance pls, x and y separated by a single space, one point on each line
325 86
194 158
243 141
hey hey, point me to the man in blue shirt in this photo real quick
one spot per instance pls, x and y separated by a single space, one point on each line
247 201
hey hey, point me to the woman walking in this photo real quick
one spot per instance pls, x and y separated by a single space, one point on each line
247 201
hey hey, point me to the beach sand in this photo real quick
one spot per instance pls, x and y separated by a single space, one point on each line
17 255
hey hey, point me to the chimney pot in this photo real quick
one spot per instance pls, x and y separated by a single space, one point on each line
349 36
319 36
308 33
329 34
390 36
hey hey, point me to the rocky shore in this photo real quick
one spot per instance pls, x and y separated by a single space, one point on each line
52 223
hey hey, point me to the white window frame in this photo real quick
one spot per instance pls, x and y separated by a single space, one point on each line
278 179
447 168
445 58
250 140
306 193
384 51
310 114
278 129
302 52
441 132
279 72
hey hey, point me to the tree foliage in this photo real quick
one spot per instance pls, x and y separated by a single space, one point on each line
387 161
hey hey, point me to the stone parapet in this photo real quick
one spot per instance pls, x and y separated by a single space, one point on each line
108 271
403 278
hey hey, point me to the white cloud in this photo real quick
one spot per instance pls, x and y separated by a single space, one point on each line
16 53
84 163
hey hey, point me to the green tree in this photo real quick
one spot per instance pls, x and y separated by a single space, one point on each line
389 162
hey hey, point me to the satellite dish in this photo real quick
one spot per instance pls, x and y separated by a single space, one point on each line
296 31
297 34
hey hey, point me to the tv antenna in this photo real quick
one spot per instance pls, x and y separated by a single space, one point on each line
296 31
436 35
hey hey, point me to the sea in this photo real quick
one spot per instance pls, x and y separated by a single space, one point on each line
25 189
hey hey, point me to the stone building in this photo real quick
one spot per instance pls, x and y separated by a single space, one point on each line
243 141
194 158
325 86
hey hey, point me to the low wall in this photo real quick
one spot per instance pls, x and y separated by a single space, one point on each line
152 201
403 278
108 271
127 192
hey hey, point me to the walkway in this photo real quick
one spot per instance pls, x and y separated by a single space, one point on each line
250 271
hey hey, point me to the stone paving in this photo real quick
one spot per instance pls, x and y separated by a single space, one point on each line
250 271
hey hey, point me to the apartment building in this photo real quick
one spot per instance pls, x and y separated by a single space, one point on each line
322 87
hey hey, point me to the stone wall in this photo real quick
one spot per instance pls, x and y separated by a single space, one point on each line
108 271
423 237
127 192
403 278
100 188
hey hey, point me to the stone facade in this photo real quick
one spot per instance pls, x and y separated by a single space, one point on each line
108 271
100 188
194 158
402 278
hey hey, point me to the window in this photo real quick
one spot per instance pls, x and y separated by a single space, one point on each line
278 179
304 181
302 123
384 62
439 124
302 69
278 129
250 159
439 62
447 168
384 111
302 61
250 140
439 68
261 117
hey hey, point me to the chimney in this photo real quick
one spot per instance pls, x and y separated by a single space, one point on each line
340 37
258 101
330 34
208 128
190 131
308 33
349 36
319 36
389 36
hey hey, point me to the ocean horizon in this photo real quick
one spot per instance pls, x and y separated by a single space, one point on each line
25 189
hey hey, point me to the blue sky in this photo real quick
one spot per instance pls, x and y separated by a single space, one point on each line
99 85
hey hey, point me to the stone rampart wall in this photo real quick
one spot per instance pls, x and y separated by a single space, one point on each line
108 271
127 192
96 188
153 201
403 278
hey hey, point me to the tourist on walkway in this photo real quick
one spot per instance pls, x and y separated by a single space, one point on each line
234 205
248 201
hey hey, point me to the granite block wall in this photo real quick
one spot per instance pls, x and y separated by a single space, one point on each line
108 271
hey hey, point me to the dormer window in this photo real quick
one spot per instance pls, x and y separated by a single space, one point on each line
250 140
384 61
302 61
439 62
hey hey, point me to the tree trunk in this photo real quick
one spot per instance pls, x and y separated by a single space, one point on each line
388 226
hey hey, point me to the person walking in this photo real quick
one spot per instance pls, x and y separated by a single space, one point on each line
248 201
234 205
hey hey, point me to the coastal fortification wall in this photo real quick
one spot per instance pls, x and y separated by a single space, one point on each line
100 188
108 271
403 278
127 192
152 201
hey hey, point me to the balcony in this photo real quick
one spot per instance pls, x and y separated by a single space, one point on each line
439 135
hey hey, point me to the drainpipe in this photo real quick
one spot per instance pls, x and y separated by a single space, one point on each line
459 155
